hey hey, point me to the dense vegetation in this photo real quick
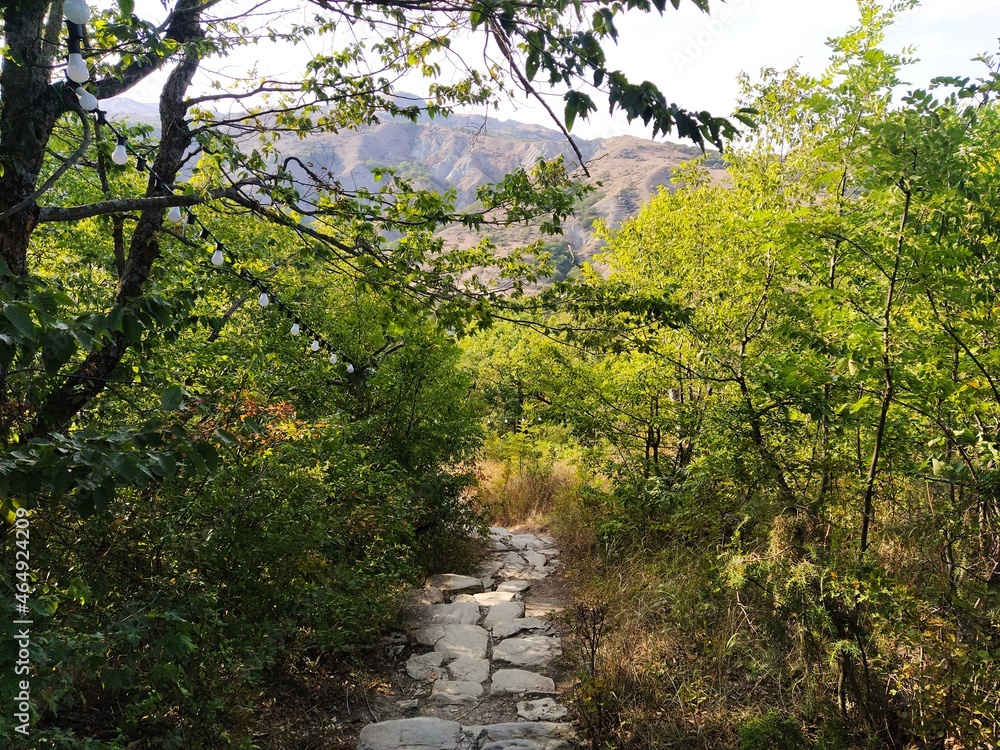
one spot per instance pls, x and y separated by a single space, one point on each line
792 479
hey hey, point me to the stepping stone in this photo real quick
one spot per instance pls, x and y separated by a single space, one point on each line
469 669
526 650
522 573
521 681
512 558
426 595
488 567
456 613
518 587
455 584
421 733
527 541
535 559
550 541
518 735
425 666
549 552
499 531
462 640
513 627
487 585
490 598
450 692
544 709
502 612
428 636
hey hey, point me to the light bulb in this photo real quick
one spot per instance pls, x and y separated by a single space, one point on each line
350 369
76 68
76 11
333 358
120 156
263 301
314 345
295 329
174 214
87 100
217 257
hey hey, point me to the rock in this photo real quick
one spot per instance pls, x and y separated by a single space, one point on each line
518 587
412 704
462 640
535 559
426 595
518 735
527 541
428 636
488 567
549 552
463 598
494 597
502 612
421 733
456 613
450 692
550 541
450 583
425 666
487 584
508 628
522 573
469 669
512 558
499 532
526 650
543 709
521 681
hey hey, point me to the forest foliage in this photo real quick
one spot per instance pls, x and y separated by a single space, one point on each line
795 474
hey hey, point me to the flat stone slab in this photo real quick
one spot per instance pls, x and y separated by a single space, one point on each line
527 650
426 595
543 709
494 597
450 692
503 612
527 541
518 587
521 681
513 558
421 733
425 666
499 531
508 628
534 559
455 584
488 568
456 613
469 669
550 541
549 552
522 573
521 735
428 636
462 640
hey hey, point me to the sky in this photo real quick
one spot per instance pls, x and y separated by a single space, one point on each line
696 58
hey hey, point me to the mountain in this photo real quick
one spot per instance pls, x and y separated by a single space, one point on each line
463 152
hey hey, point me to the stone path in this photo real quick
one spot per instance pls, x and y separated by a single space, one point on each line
483 639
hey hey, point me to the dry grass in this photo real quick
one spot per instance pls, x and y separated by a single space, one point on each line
527 497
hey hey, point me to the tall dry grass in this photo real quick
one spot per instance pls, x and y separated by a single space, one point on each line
526 496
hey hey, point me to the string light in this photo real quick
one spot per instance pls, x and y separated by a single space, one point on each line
174 215
76 69
315 345
263 300
350 369
333 358
76 11
88 101
217 257
295 329
120 155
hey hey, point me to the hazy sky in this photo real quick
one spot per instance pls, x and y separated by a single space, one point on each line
695 58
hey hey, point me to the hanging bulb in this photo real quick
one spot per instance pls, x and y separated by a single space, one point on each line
350 369
120 156
76 68
314 345
263 300
174 215
217 257
87 100
295 329
76 11
333 358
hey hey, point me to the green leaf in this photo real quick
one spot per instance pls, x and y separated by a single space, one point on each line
20 319
127 7
171 398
